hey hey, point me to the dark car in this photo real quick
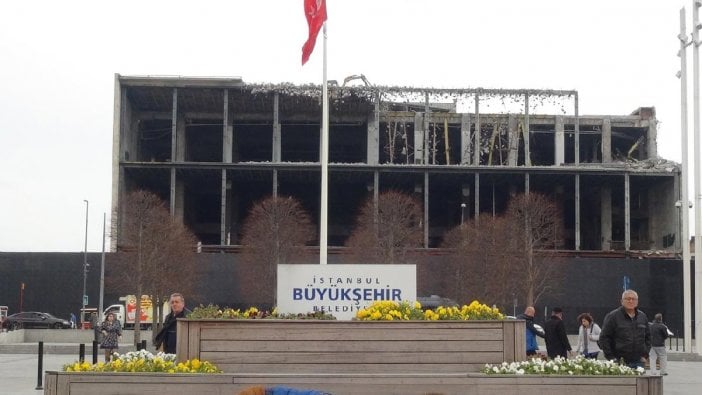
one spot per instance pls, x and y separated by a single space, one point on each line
434 301
34 319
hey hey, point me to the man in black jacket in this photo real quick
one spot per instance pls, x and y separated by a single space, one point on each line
557 343
167 336
531 332
625 333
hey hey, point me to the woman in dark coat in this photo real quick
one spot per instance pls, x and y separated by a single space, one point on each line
111 333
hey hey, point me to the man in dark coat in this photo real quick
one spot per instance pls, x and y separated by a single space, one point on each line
625 333
167 336
557 343
531 332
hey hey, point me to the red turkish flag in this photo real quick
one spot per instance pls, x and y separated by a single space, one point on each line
316 14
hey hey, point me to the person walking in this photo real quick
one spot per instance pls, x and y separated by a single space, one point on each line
659 332
557 343
625 333
111 333
167 336
531 332
588 335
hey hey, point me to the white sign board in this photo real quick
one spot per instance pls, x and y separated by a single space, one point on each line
342 290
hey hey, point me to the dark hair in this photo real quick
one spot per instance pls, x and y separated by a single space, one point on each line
557 310
585 316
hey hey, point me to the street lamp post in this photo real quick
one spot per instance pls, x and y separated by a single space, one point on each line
85 260
463 207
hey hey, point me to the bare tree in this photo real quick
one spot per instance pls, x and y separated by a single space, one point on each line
506 257
536 229
157 254
480 262
275 232
391 234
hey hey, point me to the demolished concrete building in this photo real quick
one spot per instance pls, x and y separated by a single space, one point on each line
211 147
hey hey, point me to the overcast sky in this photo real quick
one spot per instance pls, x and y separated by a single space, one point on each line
58 60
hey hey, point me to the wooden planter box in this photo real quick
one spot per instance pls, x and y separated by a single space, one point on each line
64 383
321 347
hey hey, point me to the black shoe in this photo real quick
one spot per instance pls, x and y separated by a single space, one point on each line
664 374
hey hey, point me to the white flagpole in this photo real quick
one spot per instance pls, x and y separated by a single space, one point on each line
324 158
684 174
698 181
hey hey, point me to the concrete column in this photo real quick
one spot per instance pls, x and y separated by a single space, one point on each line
223 209
277 138
373 138
606 218
174 121
427 110
577 212
527 150
476 142
476 196
179 200
526 183
426 209
513 137
419 138
607 140
275 183
559 141
227 131
627 213
577 131
180 138
465 139
172 190
118 140
652 138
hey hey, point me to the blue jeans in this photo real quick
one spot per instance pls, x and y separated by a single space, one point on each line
591 355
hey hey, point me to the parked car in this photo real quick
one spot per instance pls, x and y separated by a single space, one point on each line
34 319
434 301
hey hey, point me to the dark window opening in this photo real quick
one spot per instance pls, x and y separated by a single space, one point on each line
347 143
154 141
252 143
300 142
203 141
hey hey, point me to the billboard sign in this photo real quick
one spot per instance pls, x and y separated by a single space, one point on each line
342 290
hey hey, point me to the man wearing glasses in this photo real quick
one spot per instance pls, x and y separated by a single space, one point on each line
625 333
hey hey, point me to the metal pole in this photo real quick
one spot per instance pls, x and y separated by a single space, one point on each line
463 207
102 269
85 260
40 365
698 195
324 158
95 351
81 352
684 207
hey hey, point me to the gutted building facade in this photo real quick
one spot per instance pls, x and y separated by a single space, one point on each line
211 147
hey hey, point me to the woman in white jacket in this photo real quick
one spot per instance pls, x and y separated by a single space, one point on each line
588 335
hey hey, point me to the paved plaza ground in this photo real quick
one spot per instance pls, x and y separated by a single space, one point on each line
18 374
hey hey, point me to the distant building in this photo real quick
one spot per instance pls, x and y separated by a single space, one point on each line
211 147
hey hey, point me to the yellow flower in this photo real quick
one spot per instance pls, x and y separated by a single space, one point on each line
195 363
